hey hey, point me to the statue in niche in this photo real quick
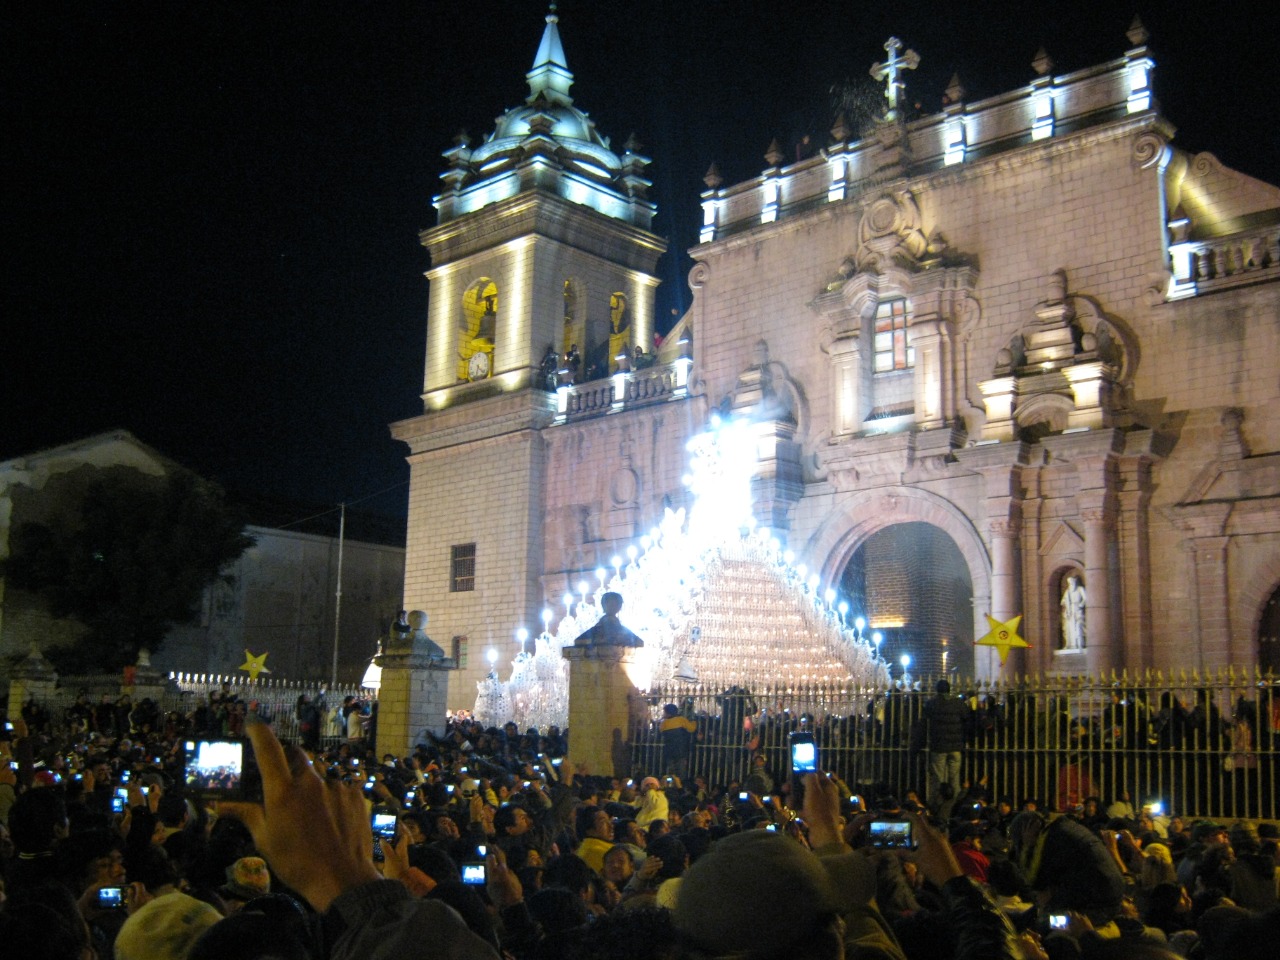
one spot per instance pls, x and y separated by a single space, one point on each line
1073 608
620 328
609 631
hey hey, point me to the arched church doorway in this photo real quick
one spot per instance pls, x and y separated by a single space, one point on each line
1269 635
910 583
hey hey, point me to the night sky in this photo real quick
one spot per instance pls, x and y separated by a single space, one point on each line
212 209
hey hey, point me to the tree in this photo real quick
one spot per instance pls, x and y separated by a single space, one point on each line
127 555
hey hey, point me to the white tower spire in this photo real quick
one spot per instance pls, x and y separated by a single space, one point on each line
550 76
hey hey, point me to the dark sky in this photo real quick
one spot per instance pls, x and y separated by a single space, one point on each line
212 208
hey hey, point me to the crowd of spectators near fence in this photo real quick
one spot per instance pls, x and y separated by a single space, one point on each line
576 865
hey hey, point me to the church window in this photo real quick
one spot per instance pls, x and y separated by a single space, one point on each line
462 568
891 349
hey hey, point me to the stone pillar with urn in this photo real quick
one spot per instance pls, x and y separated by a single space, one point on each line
413 697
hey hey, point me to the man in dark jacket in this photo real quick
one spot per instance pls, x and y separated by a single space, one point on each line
946 720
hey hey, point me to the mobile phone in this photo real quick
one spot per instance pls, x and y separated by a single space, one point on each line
804 753
449 788
122 793
744 796
383 822
556 761
118 804
110 898
217 767
1057 921
124 775
408 797
474 874
78 776
891 835
482 850
526 784
772 828
355 761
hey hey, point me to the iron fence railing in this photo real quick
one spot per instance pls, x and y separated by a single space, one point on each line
1201 745
274 698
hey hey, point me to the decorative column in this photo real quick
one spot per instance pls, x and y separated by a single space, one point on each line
1099 645
601 705
415 685
1000 468
32 678
1135 556
142 680
931 380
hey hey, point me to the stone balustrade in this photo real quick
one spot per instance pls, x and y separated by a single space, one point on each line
1205 266
622 391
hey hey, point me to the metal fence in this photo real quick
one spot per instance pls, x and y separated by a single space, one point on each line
275 698
1201 745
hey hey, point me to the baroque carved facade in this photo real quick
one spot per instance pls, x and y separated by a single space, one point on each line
1031 323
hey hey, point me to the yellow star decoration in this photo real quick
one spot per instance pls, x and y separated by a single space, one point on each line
1003 636
254 665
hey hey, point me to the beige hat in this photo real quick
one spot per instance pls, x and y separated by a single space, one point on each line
165 929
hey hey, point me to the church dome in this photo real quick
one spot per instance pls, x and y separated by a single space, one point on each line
547 143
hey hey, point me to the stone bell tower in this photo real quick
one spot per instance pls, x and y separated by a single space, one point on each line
542 272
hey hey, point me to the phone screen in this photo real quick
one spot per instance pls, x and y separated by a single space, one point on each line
804 754
384 824
217 767
118 804
891 834
110 898
1058 921
473 873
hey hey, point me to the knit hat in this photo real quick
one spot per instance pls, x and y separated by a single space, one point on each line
762 891
165 928
247 878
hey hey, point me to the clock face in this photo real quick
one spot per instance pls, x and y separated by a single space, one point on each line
478 365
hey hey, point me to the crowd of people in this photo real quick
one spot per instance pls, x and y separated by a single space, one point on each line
489 842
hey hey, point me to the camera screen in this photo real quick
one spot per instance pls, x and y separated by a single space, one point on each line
214 766
117 804
109 897
1058 921
891 834
804 756
473 873
384 824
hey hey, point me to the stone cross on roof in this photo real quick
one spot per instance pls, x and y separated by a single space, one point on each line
888 71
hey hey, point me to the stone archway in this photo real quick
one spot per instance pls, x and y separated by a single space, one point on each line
911 584
855 521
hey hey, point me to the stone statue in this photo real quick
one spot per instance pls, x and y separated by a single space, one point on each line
609 631
1073 607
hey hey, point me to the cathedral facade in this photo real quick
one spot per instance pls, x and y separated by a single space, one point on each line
1018 358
